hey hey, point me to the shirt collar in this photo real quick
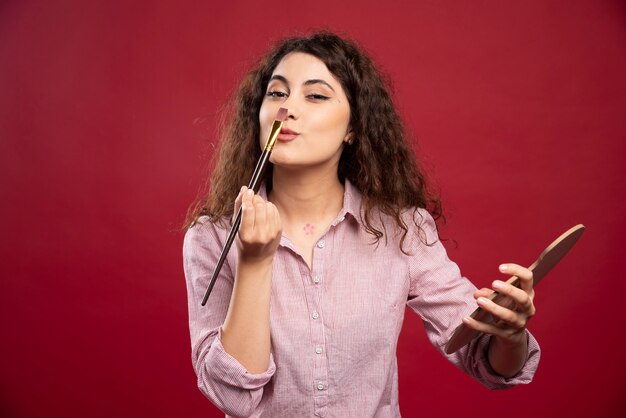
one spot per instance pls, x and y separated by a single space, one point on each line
352 200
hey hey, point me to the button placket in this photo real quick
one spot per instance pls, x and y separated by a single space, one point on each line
316 291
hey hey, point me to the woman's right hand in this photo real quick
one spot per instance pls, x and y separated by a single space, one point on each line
260 229
246 329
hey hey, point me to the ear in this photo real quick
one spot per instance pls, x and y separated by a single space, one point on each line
349 138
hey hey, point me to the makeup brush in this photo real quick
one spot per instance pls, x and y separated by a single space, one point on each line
254 185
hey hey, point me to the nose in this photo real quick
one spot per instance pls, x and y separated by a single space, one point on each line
292 106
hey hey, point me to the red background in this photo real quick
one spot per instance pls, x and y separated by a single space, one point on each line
107 110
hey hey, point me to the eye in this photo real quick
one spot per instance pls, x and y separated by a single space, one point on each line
318 97
276 94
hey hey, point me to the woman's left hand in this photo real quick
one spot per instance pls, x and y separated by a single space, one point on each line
512 314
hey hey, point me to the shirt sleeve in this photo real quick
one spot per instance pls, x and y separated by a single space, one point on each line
222 379
442 297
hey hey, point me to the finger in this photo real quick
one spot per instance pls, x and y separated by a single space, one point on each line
247 216
490 329
279 221
499 312
521 299
260 215
524 274
273 218
484 292
504 332
238 202
503 300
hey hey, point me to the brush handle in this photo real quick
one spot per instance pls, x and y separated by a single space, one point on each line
254 184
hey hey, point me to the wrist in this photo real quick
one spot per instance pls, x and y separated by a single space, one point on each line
255 262
256 270
507 357
516 341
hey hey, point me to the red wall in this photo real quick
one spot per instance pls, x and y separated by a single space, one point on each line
107 109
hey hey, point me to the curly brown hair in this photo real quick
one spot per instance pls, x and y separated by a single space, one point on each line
380 162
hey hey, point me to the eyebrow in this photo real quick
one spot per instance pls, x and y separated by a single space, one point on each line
306 83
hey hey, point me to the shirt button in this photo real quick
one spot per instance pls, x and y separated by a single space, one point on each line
318 349
320 386
315 315
342 219
321 244
316 278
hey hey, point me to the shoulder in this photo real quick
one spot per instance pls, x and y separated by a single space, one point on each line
407 226
421 228
202 234
423 223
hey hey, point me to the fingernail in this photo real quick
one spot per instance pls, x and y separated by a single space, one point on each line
481 301
466 319
497 284
503 267
250 192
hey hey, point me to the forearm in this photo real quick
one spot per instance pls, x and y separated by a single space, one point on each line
507 358
246 329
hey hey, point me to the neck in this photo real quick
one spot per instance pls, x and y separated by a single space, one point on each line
304 196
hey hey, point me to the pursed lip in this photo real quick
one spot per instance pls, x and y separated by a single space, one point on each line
287 134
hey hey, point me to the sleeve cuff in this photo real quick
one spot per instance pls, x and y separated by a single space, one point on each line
224 367
481 368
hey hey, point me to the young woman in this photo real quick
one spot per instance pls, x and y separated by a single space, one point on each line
305 316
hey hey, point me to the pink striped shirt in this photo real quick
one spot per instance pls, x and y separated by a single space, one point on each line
334 327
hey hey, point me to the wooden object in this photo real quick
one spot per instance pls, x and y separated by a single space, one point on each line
540 268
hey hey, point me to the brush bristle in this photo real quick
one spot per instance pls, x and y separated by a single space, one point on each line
281 115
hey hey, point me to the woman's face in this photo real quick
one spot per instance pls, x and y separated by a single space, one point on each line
319 113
